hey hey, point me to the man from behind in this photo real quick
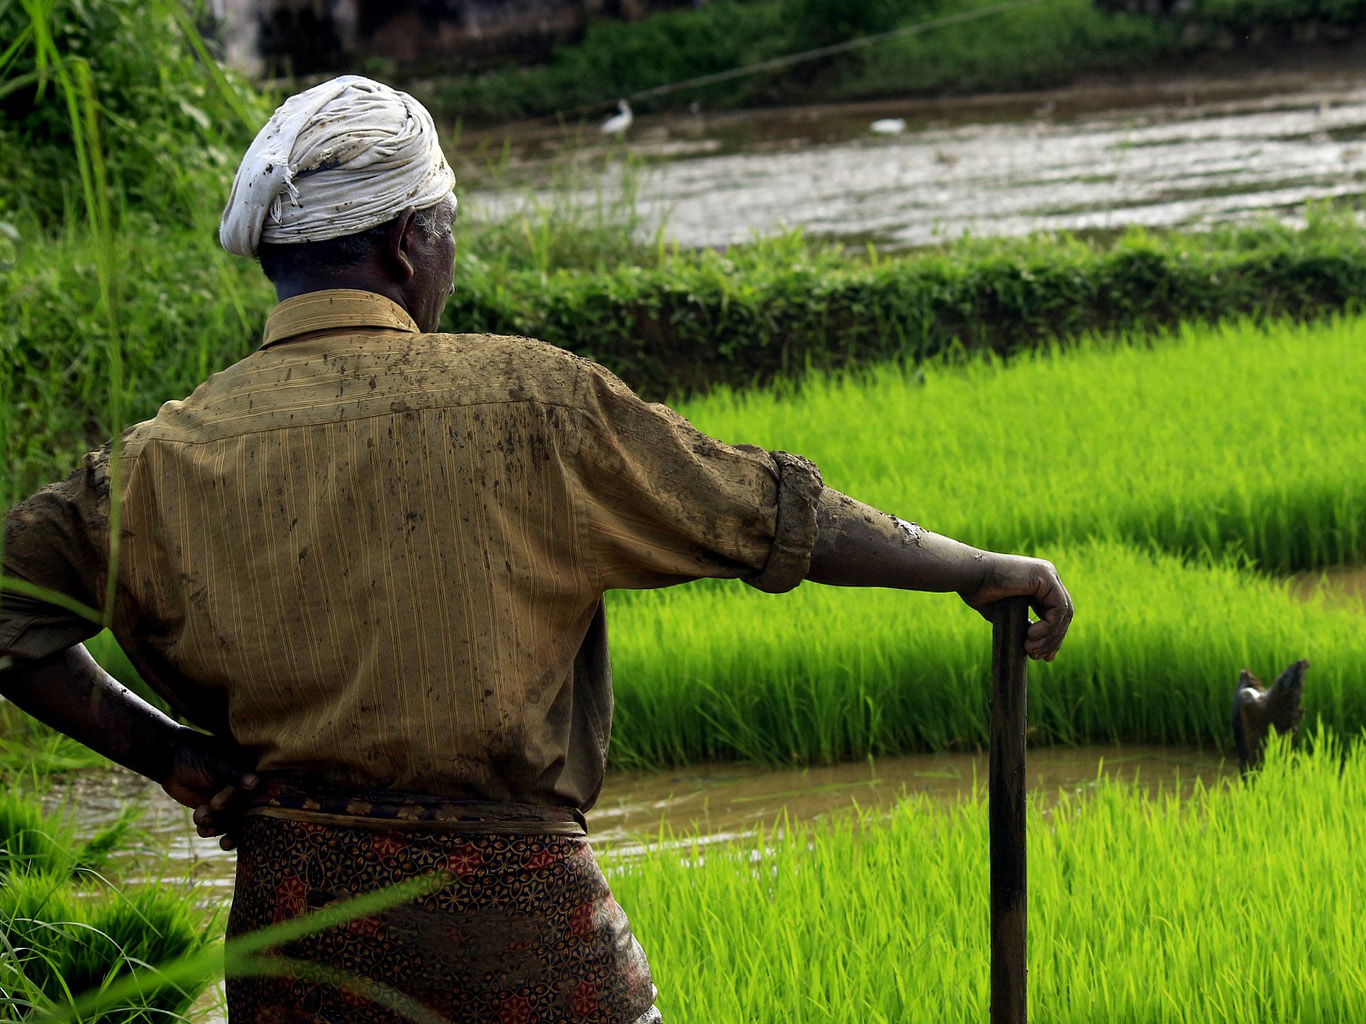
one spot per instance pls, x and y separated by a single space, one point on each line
368 562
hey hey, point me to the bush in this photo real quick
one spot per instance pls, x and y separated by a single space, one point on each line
781 307
156 114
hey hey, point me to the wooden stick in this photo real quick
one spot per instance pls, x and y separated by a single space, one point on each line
1006 795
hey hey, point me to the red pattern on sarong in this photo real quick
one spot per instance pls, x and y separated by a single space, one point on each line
524 929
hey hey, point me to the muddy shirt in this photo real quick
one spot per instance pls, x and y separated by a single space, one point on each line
378 556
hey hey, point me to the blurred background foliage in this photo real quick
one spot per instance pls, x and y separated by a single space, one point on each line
163 117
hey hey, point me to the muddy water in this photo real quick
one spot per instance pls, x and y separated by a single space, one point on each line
716 802
1188 156
1344 585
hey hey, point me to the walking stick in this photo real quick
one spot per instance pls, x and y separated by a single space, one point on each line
1006 803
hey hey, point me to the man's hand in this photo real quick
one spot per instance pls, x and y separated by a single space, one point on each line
1017 576
858 546
206 776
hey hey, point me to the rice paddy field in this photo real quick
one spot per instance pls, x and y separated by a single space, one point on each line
1174 481
1232 904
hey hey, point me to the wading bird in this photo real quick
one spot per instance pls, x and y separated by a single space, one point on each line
1256 708
620 121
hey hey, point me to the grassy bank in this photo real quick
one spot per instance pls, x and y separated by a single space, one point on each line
777 308
684 322
1238 903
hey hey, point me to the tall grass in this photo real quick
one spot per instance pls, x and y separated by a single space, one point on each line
1241 437
1232 904
823 674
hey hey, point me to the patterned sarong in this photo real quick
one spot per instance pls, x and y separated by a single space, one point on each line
518 926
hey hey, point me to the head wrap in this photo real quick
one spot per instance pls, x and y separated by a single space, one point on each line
336 159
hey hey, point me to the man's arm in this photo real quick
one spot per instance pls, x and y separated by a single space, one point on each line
858 546
71 693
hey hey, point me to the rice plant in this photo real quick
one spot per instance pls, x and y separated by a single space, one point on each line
1234 903
33 842
1241 437
717 671
66 931
57 945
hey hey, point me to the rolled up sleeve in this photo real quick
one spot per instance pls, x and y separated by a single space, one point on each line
664 502
53 564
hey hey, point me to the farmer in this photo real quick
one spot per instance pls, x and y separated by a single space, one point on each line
367 563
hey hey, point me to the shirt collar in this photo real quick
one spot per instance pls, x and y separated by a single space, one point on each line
331 310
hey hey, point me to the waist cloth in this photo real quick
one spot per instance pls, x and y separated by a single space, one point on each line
515 923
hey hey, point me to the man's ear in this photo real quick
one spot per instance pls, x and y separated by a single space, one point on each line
398 246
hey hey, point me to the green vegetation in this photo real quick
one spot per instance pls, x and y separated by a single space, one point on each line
112 94
781 306
116 124
1237 903
1239 438
1040 45
66 931
821 675
1163 475
692 320
1188 462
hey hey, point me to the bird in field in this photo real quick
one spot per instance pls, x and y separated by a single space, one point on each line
1257 708
620 121
888 126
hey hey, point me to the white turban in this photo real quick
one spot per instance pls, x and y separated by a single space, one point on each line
336 159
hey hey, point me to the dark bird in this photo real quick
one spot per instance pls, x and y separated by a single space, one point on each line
1256 708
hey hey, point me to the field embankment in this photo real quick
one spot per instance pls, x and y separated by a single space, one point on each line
669 323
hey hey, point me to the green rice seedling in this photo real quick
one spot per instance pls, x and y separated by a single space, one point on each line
33 842
1239 437
717 671
64 930
1235 903
26 745
182 972
57 944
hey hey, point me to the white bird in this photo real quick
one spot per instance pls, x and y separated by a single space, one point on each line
620 121
888 126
